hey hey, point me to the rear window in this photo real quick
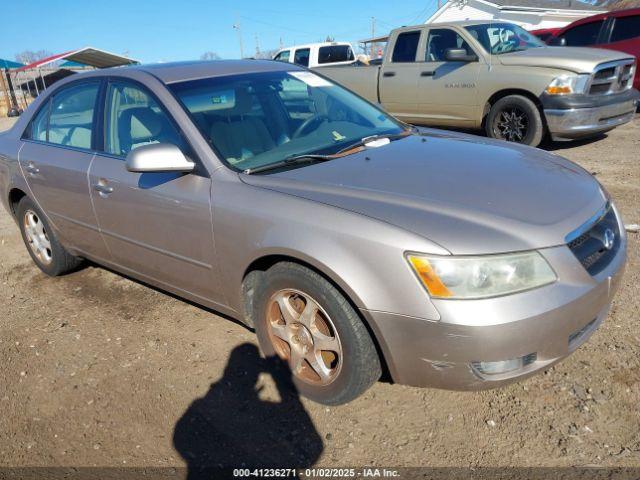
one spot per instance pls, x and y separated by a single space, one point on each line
406 47
335 53
626 28
583 35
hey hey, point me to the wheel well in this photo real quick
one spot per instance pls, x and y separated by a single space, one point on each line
15 195
512 91
257 268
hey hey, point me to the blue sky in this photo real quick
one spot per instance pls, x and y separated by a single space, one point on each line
167 30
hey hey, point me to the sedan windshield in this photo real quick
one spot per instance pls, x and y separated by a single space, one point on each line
258 119
499 38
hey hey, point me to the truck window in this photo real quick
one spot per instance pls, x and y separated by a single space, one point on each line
283 56
406 47
335 53
582 35
442 39
301 57
626 28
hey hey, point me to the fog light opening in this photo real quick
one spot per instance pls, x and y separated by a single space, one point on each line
504 366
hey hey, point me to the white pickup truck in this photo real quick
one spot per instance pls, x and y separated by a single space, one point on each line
498 77
318 54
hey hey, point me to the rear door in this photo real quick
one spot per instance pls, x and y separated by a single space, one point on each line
157 225
448 91
399 76
58 149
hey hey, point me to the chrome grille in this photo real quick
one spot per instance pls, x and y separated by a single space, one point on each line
612 77
595 248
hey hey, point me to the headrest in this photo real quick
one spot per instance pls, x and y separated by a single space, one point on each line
142 122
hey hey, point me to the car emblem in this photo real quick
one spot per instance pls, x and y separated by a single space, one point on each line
608 239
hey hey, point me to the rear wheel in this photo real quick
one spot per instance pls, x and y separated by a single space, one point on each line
42 244
515 118
307 322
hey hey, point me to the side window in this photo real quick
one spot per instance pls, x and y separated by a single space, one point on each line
406 47
442 39
301 57
134 118
283 56
583 35
71 117
38 128
626 28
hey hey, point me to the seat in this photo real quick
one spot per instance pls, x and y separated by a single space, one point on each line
239 135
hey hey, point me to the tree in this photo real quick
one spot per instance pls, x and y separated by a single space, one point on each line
29 56
210 56
266 54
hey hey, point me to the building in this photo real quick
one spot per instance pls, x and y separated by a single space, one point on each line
532 15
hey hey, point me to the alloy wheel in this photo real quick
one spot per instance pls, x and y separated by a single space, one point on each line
303 334
37 237
512 124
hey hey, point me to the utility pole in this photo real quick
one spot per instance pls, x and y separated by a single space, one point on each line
236 26
257 46
373 34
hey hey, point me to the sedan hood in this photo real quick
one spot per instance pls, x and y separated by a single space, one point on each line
467 194
574 59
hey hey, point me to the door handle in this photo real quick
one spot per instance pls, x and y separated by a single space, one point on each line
32 169
428 73
389 74
102 189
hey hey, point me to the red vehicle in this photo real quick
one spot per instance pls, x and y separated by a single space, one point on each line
619 30
545 34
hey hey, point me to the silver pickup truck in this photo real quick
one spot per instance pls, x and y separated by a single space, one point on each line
498 77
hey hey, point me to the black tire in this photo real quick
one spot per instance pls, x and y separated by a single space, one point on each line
503 125
59 260
359 365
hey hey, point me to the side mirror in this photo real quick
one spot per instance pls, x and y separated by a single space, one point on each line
158 157
459 55
557 42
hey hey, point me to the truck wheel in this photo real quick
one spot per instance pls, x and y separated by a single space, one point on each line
307 322
515 118
43 246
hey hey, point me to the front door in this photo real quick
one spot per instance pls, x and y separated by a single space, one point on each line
55 159
399 77
448 90
156 225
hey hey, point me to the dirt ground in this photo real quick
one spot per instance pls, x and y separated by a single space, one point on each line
98 370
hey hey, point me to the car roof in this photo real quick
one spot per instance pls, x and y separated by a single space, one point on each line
601 16
459 23
319 44
193 70
182 71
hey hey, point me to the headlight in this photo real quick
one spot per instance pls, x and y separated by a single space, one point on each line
568 84
483 276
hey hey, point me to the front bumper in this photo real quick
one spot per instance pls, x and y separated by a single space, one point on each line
550 322
570 118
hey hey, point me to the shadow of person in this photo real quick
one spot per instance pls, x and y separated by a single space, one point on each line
231 427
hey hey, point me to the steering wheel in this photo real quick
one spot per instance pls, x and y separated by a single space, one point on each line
316 119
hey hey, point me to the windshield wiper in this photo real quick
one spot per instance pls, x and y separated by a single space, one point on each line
292 160
314 157
366 140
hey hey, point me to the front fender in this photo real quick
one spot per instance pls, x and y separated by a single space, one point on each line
363 256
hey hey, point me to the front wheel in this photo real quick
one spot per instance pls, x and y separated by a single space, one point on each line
515 118
307 322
